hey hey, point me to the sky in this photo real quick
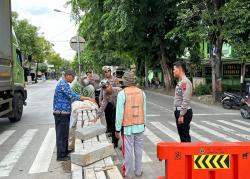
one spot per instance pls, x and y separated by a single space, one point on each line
57 27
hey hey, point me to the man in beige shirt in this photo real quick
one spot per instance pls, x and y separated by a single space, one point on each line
183 94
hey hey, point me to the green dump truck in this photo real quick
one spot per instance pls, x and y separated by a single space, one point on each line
12 84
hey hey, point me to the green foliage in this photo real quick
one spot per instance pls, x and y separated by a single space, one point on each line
42 67
203 90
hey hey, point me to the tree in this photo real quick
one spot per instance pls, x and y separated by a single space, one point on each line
30 42
137 28
217 22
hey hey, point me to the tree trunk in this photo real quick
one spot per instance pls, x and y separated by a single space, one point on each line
165 68
216 69
36 72
216 53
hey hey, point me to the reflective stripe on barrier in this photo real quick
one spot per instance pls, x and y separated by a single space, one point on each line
219 160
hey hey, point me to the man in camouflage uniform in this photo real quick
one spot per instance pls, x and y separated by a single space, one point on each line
109 100
110 78
83 87
183 94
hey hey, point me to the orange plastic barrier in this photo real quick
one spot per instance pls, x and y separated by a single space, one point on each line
219 160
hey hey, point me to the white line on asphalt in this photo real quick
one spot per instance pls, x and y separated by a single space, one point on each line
45 153
166 131
9 161
217 114
145 157
152 137
195 134
159 106
243 122
153 115
218 126
213 132
235 125
5 135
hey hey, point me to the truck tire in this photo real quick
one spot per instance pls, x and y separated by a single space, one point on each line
17 106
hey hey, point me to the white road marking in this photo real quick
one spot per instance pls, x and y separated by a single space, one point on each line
235 125
153 115
45 153
243 122
195 135
227 129
9 161
160 107
152 137
217 114
145 157
5 135
215 133
166 131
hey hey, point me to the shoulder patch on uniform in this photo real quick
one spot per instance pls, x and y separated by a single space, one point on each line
183 86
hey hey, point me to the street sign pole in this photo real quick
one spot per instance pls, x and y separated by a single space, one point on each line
77 43
78 55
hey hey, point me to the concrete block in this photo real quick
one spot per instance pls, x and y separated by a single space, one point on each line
93 154
88 132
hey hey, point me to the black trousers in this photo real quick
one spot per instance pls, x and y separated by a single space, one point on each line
62 134
110 114
183 129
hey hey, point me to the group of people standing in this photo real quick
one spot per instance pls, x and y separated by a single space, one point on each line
124 110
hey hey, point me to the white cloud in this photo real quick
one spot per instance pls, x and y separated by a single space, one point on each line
57 27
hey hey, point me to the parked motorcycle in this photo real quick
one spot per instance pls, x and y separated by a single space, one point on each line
230 100
245 108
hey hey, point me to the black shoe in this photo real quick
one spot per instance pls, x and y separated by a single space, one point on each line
63 158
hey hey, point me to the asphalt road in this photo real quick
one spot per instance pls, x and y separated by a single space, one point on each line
27 148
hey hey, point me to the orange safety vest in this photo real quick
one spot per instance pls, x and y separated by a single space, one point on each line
134 107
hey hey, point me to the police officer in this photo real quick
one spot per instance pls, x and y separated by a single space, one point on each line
183 94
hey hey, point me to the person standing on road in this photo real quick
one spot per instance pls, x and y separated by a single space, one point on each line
183 94
61 109
83 87
111 79
130 121
109 100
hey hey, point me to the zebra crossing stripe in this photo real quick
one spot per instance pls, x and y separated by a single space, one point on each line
247 137
243 122
166 131
9 161
215 133
212 161
235 125
5 135
152 137
45 153
195 135
145 157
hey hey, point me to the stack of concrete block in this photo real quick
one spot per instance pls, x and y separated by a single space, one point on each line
88 132
92 156
96 152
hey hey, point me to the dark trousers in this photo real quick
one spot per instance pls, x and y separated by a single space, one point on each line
62 134
110 114
183 129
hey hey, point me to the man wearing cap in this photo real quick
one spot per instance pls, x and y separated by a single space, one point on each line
61 109
110 78
83 87
183 94
130 120
110 97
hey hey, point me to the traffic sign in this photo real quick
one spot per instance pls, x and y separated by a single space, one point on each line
74 44
212 161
